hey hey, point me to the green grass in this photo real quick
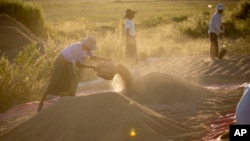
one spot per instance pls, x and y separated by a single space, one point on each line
163 29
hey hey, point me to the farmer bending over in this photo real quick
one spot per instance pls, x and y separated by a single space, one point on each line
64 80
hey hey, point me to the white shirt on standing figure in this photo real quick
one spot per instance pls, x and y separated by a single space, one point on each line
215 23
129 24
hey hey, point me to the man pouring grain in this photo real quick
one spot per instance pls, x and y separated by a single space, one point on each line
64 80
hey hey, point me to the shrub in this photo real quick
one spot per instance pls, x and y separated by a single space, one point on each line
179 19
24 79
17 79
154 21
241 19
242 11
29 15
196 26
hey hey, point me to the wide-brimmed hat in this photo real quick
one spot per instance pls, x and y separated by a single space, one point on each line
219 7
90 42
129 12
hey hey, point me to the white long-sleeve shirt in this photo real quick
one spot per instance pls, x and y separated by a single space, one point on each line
129 24
215 23
75 53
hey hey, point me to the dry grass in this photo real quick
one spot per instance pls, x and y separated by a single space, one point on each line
158 35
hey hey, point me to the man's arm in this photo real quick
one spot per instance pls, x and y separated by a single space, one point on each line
100 58
84 66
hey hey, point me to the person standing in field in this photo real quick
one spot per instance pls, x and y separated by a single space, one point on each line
215 30
64 81
131 49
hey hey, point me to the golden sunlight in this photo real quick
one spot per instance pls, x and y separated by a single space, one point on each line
131 103
132 132
117 83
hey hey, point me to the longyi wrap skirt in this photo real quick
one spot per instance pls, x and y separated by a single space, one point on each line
64 80
131 50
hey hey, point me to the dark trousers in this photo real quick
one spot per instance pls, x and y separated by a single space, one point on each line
64 80
214 47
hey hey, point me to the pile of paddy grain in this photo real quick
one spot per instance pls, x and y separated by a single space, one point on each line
105 116
13 36
163 88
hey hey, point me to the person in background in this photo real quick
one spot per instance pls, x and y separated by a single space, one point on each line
131 49
64 81
214 31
